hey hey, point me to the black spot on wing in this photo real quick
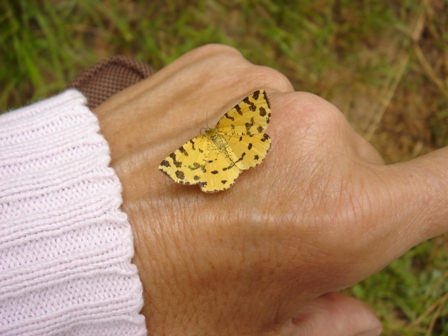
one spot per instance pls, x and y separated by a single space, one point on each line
165 163
180 175
262 111
228 116
252 106
183 151
256 157
196 177
214 172
249 147
238 109
194 166
256 94
226 184
178 164
260 129
249 125
192 144
266 98
265 137
241 158
229 167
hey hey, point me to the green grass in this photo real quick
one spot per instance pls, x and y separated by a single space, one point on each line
347 51
412 292
46 43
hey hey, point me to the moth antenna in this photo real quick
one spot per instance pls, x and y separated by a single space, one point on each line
193 127
203 130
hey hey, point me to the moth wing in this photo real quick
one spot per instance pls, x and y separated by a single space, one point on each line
220 171
186 165
250 116
249 150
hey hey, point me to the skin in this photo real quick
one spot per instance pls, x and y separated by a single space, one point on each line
321 213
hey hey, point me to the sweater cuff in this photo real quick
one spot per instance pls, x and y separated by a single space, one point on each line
65 245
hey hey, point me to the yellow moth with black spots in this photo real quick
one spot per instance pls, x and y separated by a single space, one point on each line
214 160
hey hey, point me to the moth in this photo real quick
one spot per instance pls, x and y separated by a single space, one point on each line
214 160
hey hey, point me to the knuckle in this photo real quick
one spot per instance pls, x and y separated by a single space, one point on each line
215 49
271 78
243 71
316 111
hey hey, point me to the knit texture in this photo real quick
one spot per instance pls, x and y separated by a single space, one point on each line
65 246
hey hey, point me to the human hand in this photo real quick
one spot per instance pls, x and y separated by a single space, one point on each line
321 213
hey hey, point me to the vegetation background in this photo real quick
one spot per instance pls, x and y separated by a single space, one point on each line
383 63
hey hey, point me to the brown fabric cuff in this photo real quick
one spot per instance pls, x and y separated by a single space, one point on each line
108 77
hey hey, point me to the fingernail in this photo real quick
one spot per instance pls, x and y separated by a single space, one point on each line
374 332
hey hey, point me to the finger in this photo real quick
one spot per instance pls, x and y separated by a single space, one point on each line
365 150
407 204
420 194
334 314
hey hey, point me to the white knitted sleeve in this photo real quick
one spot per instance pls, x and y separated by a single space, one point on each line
65 246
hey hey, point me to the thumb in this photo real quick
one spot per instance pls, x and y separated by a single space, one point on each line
334 314
423 184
